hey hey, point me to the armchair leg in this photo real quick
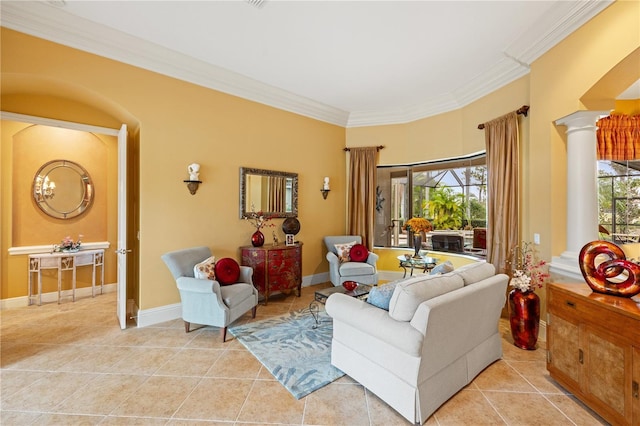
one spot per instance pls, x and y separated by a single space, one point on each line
224 334
186 326
253 311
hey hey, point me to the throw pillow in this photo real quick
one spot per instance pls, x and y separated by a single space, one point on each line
442 268
359 253
380 295
205 270
343 250
227 271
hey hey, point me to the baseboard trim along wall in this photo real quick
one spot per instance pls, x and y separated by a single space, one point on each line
22 301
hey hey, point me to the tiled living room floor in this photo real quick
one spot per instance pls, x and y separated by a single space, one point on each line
71 364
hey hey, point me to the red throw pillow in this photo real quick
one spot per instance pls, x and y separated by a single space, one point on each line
359 253
227 271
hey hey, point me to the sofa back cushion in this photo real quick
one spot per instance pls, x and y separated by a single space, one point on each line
408 295
475 272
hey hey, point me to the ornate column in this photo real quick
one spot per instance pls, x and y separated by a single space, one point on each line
582 188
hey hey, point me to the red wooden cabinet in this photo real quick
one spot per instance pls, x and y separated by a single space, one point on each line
275 268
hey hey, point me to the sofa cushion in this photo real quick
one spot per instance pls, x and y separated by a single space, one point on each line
359 253
205 270
380 295
227 271
475 272
351 269
409 294
442 268
343 251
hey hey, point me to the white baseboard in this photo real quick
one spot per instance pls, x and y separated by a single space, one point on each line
147 317
22 301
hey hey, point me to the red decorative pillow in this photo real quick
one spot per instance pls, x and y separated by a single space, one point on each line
227 271
359 253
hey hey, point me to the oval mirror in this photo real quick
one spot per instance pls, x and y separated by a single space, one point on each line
62 189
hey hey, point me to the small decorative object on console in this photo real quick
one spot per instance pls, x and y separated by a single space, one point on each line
259 220
350 285
68 245
616 276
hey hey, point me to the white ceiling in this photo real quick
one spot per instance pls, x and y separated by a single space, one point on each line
350 63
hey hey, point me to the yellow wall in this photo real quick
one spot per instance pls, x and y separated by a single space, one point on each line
180 123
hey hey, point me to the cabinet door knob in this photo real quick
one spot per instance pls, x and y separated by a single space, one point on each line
635 391
580 356
570 304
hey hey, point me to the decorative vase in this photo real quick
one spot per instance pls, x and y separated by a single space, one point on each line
524 318
417 245
257 239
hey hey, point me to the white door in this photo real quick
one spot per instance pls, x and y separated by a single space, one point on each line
122 227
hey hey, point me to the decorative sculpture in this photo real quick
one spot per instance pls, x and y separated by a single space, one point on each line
194 171
626 274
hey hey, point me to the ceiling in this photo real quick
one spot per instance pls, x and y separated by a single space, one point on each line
351 63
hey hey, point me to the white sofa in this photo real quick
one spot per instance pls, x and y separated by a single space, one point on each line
439 333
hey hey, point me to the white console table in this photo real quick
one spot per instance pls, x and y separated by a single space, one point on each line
64 261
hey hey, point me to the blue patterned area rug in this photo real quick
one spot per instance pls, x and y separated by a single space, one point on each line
297 354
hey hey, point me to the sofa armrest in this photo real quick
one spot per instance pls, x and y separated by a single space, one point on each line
196 285
333 259
374 322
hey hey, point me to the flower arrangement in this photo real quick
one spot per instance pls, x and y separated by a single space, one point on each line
258 219
529 271
417 224
67 244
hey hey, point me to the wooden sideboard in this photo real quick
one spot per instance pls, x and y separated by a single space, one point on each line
275 268
593 349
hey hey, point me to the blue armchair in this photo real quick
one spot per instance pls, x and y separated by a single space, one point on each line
206 302
360 272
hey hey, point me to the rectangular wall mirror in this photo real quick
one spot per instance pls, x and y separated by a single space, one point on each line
272 192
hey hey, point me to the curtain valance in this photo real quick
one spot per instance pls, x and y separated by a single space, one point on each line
619 137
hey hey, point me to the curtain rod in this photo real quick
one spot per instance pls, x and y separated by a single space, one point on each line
523 110
378 148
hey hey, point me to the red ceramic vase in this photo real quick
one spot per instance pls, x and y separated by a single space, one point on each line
524 318
257 239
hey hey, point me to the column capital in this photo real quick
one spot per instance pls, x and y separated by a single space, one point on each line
581 119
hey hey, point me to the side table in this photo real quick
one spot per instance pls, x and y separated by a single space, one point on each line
424 263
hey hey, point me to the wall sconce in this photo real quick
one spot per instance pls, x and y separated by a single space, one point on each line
193 182
45 188
325 188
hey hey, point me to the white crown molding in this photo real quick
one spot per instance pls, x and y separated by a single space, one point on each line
563 18
52 23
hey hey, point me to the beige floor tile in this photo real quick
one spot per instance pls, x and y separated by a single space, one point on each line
17 417
102 394
526 409
145 361
67 419
47 392
468 407
159 396
190 362
97 359
337 404
259 405
501 376
381 414
510 351
208 338
133 421
215 399
579 413
233 364
536 373
12 381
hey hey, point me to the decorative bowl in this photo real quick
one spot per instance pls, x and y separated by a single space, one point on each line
350 285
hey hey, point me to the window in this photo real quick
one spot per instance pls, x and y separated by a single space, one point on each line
619 200
451 193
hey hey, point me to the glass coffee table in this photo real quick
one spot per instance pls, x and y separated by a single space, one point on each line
425 263
321 296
